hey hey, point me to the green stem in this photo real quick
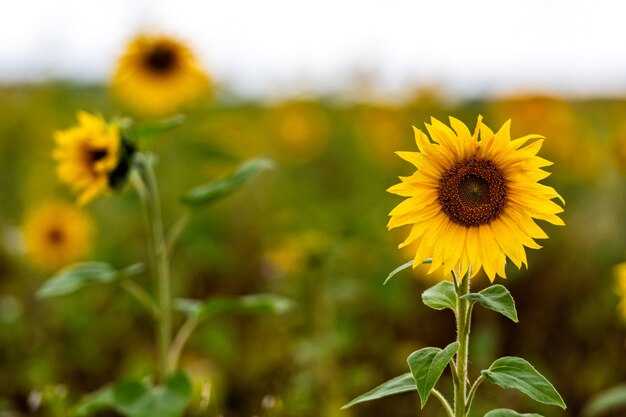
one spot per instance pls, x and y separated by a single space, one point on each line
444 402
472 392
463 332
159 260
180 340
142 296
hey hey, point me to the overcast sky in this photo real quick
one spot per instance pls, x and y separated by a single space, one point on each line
274 47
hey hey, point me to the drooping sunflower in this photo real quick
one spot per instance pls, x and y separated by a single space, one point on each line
87 155
56 234
474 198
157 75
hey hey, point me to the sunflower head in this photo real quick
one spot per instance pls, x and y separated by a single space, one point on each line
87 155
474 198
157 75
56 234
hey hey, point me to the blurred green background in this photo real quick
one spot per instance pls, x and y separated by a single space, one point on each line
313 230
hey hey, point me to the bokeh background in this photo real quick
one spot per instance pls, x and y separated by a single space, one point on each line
329 91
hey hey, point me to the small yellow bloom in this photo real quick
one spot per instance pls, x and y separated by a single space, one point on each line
299 131
157 75
86 155
56 234
474 201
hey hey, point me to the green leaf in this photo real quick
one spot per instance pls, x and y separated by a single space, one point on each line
405 266
427 365
440 296
261 303
611 400
76 277
216 190
147 131
505 412
400 384
135 398
517 373
496 298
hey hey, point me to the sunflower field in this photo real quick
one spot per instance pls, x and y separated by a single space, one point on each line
279 210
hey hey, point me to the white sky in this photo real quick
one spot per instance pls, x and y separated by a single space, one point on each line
274 47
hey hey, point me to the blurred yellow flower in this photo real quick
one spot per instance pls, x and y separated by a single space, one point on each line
620 288
86 155
56 234
473 201
299 131
381 131
157 75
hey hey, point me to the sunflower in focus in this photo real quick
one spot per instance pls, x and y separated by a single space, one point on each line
56 234
87 155
157 75
474 198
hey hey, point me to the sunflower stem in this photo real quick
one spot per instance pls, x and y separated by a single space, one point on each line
463 311
159 260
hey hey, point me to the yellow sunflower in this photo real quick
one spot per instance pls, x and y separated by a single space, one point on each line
56 234
87 155
474 201
157 75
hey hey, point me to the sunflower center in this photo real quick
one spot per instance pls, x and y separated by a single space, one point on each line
97 154
473 192
55 236
161 60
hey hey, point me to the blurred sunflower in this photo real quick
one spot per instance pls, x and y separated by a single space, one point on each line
620 288
56 234
157 75
473 201
299 131
87 155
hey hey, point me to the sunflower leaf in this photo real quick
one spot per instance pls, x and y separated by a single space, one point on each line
76 277
397 385
261 303
496 298
505 412
611 400
517 373
440 296
216 190
427 365
136 398
135 132
405 266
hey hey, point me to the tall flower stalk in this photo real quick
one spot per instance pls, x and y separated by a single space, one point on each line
98 158
471 204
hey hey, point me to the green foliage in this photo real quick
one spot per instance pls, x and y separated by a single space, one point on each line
496 298
216 190
611 400
403 267
440 296
517 373
134 398
505 412
261 303
136 132
76 277
397 385
427 365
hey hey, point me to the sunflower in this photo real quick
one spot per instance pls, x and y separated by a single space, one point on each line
87 155
57 233
474 201
157 75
